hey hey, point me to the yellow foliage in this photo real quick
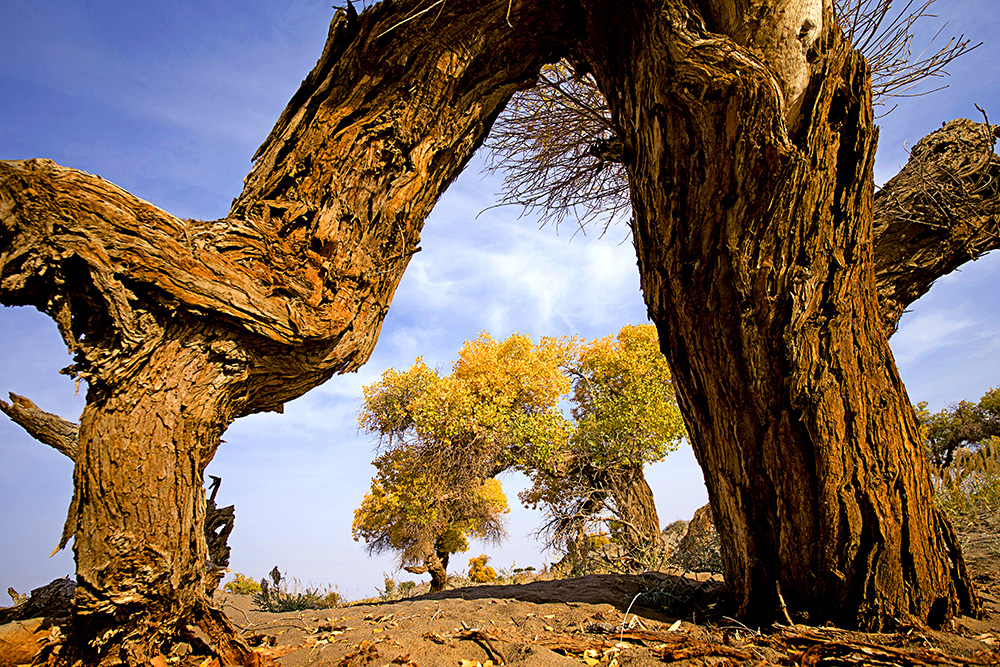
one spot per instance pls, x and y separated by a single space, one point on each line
479 571
241 585
500 407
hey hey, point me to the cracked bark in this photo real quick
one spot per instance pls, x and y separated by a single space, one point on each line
767 305
180 326
755 257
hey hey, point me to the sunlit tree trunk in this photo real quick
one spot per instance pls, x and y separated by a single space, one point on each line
138 509
180 326
755 254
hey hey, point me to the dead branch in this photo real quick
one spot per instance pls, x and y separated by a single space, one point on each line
45 427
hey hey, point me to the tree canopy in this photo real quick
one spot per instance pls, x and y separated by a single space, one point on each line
505 405
424 517
959 425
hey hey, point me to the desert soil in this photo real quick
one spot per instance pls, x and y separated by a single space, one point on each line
583 620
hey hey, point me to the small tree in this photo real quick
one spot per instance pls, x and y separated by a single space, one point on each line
959 425
625 417
423 517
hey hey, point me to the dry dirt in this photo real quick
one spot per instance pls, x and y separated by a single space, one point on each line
678 619
583 621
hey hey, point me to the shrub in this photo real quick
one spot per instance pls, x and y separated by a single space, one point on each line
241 585
971 483
479 571
275 596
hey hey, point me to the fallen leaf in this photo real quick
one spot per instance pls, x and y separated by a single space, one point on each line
675 626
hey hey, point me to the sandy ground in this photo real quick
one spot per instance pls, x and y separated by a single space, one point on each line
583 621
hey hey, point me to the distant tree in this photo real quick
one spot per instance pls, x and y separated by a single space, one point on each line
501 408
625 417
959 425
425 518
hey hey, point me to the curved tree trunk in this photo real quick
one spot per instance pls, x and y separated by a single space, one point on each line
755 253
940 211
138 506
180 326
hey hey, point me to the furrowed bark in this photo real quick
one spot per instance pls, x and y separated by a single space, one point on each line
755 256
755 251
940 211
180 326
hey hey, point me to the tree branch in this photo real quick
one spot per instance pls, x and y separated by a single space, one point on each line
303 269
52 430
940 211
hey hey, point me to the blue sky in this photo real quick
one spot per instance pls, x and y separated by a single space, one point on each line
170 100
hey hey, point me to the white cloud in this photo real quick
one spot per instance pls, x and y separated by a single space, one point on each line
928 333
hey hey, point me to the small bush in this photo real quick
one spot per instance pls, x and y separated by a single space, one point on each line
407 587
275 596
241 585
479 571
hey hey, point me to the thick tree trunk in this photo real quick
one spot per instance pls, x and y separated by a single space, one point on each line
755 254
139 508
180 326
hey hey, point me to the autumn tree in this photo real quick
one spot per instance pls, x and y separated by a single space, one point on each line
424 517
501 408
624 417
747 136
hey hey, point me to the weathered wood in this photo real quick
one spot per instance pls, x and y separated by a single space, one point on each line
755 250
53 601
62 435
940 211
180 326
755 257
45 427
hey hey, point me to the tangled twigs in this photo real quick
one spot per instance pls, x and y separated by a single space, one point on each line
809 647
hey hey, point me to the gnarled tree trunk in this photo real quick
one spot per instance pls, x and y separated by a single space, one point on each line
180 326
755 253
755 249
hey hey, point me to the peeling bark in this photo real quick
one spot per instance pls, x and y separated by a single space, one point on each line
755 252
940 211
755 257
180 326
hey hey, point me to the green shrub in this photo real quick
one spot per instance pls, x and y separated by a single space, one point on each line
241 585
275 596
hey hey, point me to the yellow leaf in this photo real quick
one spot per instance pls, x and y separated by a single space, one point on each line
675 626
